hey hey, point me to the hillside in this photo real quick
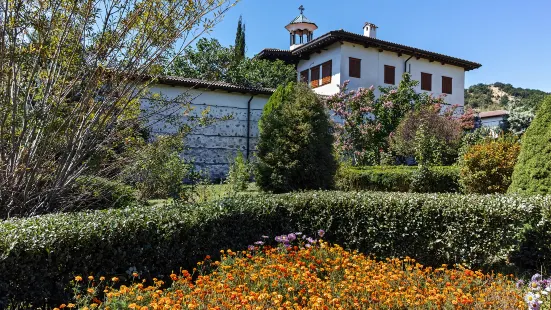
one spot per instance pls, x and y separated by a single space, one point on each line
487 97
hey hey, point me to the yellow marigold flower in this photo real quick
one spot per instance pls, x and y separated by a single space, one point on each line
78 278
91 278
102 278
71 305
115 279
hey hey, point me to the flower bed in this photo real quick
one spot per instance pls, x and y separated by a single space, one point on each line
39 255
306 275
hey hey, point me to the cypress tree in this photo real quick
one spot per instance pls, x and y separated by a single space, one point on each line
532 172
240 40
295 148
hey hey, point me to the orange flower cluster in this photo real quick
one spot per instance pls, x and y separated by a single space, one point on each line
321 277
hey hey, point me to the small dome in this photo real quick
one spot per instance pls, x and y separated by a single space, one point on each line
301 22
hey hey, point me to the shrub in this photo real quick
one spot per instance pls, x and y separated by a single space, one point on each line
295 142
329 277
39 255
239 174
532 173
396 178
487 167
443 131
158 170
362 136
94 193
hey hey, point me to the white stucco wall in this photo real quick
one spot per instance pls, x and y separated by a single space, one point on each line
212 147
372 70
332 53
493 121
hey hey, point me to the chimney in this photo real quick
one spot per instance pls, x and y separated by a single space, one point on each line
370 30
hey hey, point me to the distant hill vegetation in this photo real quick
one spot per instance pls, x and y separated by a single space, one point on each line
499 96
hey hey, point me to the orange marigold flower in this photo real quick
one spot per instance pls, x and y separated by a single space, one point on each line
78 278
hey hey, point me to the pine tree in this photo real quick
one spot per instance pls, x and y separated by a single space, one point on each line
532 172
295 143
240 40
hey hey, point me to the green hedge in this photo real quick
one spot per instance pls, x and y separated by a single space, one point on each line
445 179
40 255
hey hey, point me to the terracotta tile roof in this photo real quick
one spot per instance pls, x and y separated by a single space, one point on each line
341 35
493 113
212 85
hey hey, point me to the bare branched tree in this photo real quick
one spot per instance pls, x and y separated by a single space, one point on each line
70 71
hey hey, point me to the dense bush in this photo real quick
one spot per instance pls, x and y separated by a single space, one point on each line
396 178
532 173
239 174
93 193
487 167
295 143
158 170
366 121
39 255
444 132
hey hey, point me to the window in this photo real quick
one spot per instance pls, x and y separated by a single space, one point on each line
354 67
390 75
326 72
446 85
315 76
304 76
426 81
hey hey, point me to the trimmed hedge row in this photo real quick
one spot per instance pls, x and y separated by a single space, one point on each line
444 179
40 255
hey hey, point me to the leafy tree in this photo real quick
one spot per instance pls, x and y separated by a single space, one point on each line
520 116
366 123
295 143
240 40
429 136
71 75
213 62
209 60
532 172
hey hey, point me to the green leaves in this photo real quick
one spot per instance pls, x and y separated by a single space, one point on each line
39 256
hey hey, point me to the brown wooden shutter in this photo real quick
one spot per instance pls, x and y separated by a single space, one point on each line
426 81
354 67
326 72
315 76
390 75
446 85
304 76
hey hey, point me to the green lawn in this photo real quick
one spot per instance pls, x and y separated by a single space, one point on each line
211 192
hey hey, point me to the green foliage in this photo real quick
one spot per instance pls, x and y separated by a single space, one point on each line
72 82
211 61
39 256
428 136
487 167
295 143
481 97
239 174
158 170
532 173
440 179
95 193
519 118
239 48
367 122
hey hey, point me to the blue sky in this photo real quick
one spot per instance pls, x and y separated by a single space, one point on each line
511 39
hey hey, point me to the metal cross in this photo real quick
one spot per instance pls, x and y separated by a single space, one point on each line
301 8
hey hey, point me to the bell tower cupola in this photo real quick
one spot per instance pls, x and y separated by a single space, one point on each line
301 30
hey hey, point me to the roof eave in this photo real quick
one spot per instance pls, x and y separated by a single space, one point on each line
336 36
